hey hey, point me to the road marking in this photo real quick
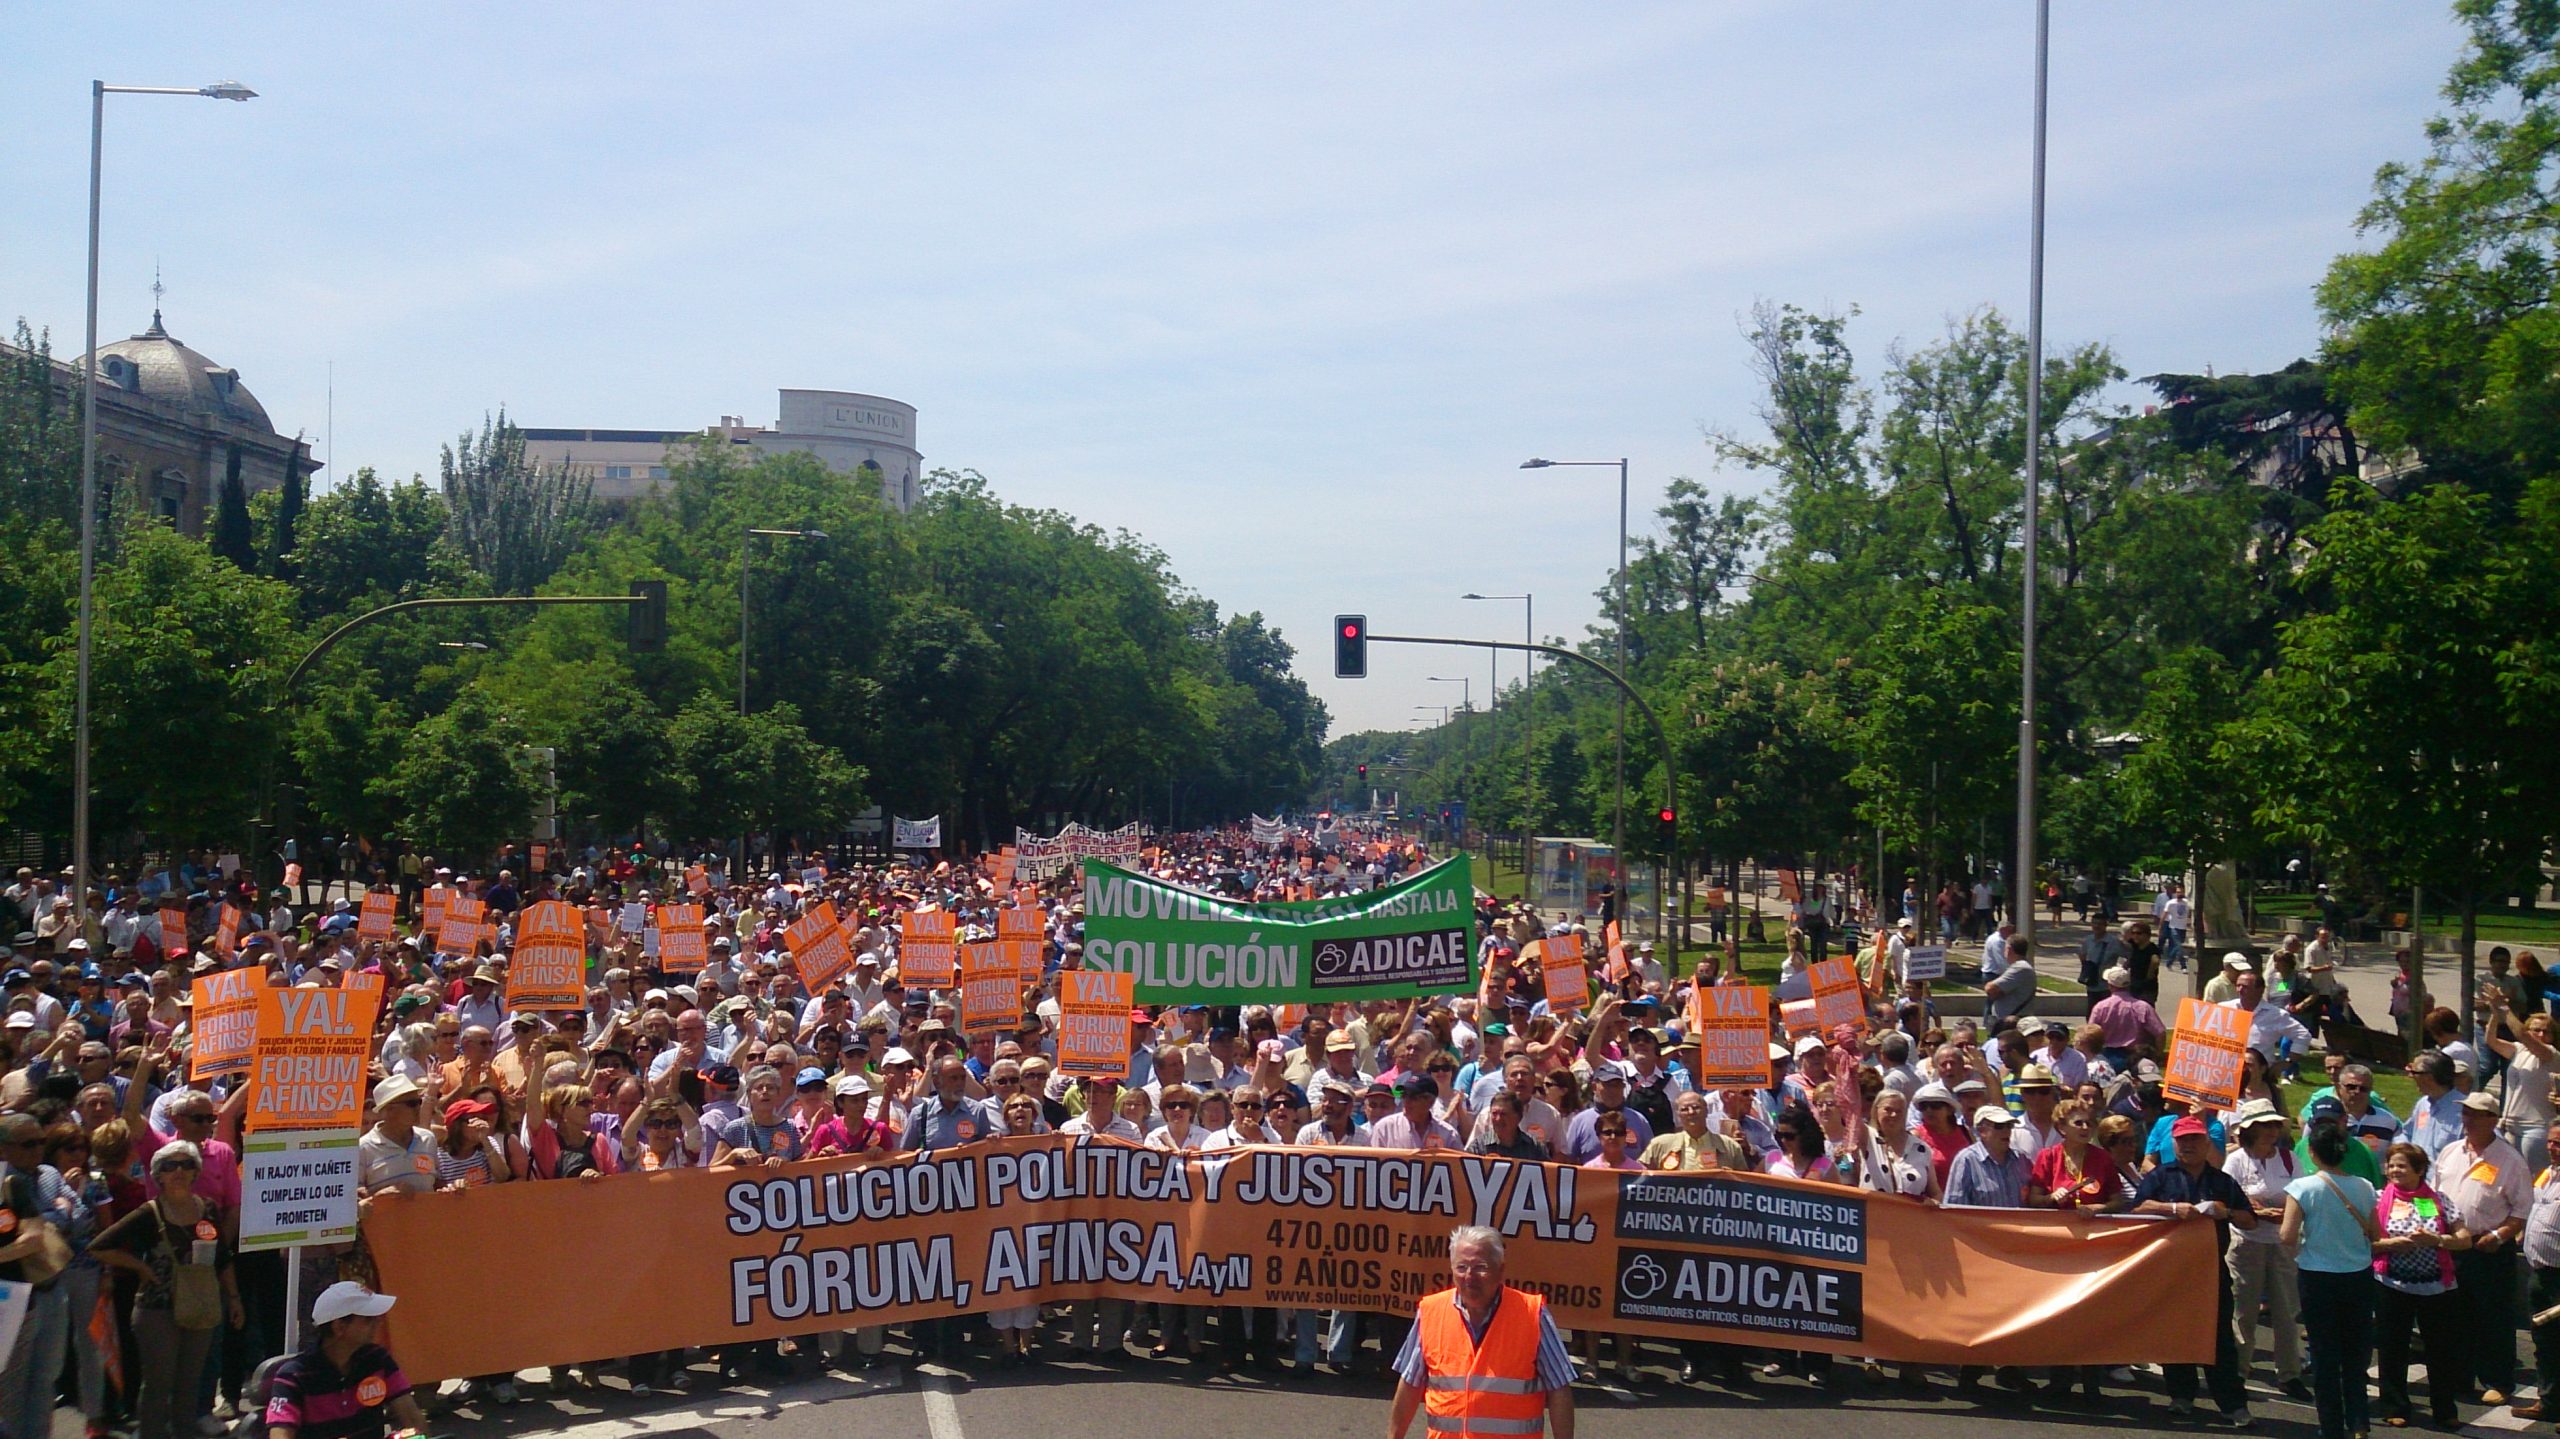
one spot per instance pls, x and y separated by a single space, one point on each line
941 1413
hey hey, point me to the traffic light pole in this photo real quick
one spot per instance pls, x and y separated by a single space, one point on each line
1670 778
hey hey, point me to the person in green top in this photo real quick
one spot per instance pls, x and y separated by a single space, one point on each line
2359 1159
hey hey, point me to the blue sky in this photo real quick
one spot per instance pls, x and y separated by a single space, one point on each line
1288 289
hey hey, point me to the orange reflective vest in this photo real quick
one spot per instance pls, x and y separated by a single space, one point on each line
1488 1388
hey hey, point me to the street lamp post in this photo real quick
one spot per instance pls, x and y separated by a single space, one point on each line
1528 717
1618 824
99 90
1466 705
2023 879
746 556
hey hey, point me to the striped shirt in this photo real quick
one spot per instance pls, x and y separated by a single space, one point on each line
1555 1366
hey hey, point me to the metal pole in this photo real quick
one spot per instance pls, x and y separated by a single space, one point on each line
88 531
1618 833
746 557
2023 879
1528 729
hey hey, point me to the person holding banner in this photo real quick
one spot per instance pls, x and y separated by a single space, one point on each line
2194 1187
186 1294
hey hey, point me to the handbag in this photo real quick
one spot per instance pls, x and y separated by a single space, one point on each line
195 1290
52 1256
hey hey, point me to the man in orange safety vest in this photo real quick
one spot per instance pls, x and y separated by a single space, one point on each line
1482 1358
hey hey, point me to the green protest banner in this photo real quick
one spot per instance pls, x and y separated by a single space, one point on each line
1416 936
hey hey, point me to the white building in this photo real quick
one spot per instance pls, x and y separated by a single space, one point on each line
849 433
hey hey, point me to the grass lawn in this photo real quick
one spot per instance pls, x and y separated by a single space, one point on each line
2506 925
2395 1090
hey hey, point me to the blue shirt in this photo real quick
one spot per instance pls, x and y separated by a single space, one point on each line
2433 1123
937 1123
2162 1150
1975 1180
2333 1239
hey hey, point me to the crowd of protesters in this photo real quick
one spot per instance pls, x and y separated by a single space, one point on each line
2347 1229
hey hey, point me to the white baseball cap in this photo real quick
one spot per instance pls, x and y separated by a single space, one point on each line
348 1297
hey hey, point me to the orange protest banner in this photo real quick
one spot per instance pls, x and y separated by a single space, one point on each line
990 989
1019 931
828 1244
173 929
1731 1022
2206 1055
697 881
436 899
548 969
379 918
1796 1016
541 859
680 944
293 875
1568 981
1093 1022
312 1048
226 932
818 946
925 954
466 923
1790 888
1837 1000
225 1022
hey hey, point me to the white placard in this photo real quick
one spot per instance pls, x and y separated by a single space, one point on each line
298 1187
14 1297
1925 961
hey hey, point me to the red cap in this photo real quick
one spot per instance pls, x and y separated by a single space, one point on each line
2189 1126
1140 1016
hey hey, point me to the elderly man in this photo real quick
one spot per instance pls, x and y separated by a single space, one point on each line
2273 1031
2435 1119
2489 1185
1412 1125
2194 1187
1483 1357
342 1385
2127 1024
1608 1098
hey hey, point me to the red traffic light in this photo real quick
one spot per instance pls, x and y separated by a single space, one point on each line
1668 816
1351 632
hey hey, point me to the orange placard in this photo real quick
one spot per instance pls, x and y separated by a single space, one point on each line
540 859
173 929
697 882
1790 888
225 1020
2206 1055
1810 1266
226 932
990 989
680 944
1837 1000
1093 1022
380 917
818 946
1731 1022
925 955
293 875
312 1048
1019 931
437 898
1568 980
548 969
465 924
1796 1015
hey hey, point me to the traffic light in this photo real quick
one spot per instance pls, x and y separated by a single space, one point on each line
1670 827
1364 774
1351 647
648 631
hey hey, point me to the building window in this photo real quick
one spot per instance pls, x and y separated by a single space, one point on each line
657 472
617 472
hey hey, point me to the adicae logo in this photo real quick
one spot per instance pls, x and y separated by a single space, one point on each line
1332 956
1642 1278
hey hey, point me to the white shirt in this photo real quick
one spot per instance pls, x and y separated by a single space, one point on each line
2270 1026
1995 954
2174 914
2263 1181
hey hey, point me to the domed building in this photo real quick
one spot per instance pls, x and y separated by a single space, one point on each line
173 425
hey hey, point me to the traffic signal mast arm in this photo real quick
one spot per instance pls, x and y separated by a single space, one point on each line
1670 769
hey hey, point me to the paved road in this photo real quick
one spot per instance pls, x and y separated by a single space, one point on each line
1160 1400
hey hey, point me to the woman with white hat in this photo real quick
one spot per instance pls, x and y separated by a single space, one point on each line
2261 1162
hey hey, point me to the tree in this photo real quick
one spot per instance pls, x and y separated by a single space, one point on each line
185 659
463 784
366 544
736 773
232 534
288 518
2389 729
2446 338
514 521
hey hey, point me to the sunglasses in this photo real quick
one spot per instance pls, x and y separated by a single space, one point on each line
1180 1107
1621 1134
175 1164
1247 1103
